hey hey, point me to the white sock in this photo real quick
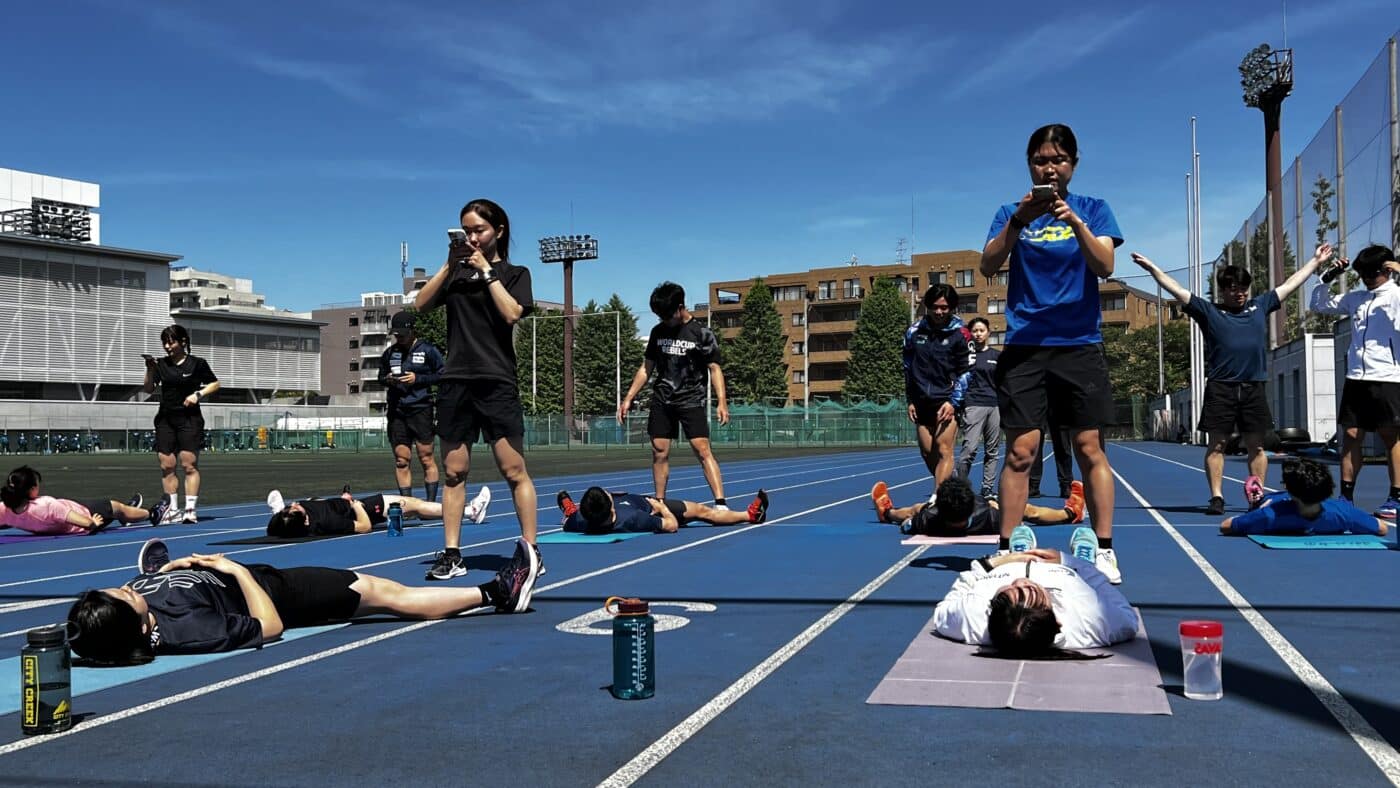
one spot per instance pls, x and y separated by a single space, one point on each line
190 501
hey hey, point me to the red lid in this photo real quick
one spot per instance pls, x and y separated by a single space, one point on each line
1202 629
629 606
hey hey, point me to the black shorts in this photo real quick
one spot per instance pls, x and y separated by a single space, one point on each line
415 427
176 432
469 409
375 508
101 507
677 507
308 595
926 412
1369 404
1230 407
1069 385
665 421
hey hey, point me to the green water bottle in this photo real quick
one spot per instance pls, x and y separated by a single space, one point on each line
634 654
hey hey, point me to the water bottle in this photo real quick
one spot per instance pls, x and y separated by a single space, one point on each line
395 519
634 655
1201 646
45 690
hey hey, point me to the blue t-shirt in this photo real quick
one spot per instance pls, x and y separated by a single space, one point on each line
1052 297
1236 342
1280 516
634 515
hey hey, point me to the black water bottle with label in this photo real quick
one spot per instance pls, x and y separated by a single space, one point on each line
45 681
1333 272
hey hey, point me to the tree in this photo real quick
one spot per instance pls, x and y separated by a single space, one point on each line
431 326
754 368
1132 358
546 329
877 363
1322 195
596 370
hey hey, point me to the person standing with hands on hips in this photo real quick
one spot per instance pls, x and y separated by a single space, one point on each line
485 296
184 381
408 369
1371 393
1059 245
679 352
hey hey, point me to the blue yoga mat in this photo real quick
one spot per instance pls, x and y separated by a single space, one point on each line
564 537
1321 542
87 680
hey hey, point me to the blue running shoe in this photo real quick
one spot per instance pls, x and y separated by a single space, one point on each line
1022 539
1386 511
1084 544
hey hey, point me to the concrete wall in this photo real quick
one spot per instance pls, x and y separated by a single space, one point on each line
41 415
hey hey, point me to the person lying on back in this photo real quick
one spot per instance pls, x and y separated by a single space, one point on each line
601 512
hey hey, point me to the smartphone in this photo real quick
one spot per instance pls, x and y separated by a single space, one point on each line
1043 191
149 358
457 236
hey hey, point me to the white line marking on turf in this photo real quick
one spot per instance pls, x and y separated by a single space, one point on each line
95 722
634 769
1376 748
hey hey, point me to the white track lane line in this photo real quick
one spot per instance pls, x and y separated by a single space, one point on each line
1195 468
96 722
1376 748
634 769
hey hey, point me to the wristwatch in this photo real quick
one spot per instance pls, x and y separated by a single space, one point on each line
1016 224
488 276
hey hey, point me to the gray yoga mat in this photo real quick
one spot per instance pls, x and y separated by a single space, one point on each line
935 671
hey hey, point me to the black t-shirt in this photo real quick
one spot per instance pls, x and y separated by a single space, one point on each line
198 611
178 381
480 345
329 516
984 520
681 355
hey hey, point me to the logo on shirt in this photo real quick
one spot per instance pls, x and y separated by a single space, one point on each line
676 347
1049 234
180 578
419 357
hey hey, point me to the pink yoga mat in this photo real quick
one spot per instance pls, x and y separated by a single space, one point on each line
974 539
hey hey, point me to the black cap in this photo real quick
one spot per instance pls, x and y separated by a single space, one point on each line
402 324
52 635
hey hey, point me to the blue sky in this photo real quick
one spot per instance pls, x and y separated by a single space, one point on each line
298 143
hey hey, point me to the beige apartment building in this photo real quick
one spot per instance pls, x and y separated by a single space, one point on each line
819 308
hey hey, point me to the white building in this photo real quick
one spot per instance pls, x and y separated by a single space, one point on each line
55 207
194 289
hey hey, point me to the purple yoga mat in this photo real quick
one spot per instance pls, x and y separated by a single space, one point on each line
935 671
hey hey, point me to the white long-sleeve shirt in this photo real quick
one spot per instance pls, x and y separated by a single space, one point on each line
1375 328
1091 611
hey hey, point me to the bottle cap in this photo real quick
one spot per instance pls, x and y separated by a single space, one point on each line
45 637
1202 629
626 606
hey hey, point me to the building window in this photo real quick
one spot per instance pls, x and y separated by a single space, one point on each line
354 320
934 278
850 288
354 344
998 279
997 338
788 293
798 318
968 306
965 278
826 290
1114 301
797 348
996 306
797 376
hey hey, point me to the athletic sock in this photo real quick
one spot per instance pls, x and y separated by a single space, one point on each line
1004 543
721 502
190 501
1348 489
1395 493
1105 543
431 488
405 491
452 552
1069 513
490 593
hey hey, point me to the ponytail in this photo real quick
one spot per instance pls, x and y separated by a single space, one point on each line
15 493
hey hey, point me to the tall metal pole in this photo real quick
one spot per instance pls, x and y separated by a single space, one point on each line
534 382
1394 146
1195 405
806 354
1161 364
617 360
568 351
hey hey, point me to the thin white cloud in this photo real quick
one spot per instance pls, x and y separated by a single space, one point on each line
1304 24
379 170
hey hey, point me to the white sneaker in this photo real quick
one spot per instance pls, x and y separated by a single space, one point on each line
720 507
1107 563
173 516
275 502
476 510
190 518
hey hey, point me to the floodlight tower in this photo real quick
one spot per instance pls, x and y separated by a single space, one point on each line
567 249
1266 75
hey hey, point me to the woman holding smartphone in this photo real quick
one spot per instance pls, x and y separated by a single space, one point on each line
184 381
485 296
1059 244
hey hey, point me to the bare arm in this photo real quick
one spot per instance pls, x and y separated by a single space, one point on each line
362 523
997 250
669 523
721 402
506 304
638 380
259 603
1296 280
1164 279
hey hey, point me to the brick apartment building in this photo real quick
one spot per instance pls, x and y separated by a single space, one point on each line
819 308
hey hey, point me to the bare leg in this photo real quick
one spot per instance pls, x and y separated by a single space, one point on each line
1351 453
168 481
456 462
1045 515
902 513
1022 446
425 458
708 464
1258 458
928 452
423 510
403 477
709 514
510 460
127 513
660 464
943 436
1392 452
189 461
382 596
1214 462
1098 480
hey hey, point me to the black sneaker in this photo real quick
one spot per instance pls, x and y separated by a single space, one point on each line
1064 491
154 554
446 566
1216 505
566 504
540 558
136 501
516 580
158 511
758 508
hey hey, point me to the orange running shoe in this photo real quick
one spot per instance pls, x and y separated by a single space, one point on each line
880 495
1074 504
